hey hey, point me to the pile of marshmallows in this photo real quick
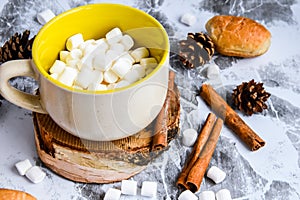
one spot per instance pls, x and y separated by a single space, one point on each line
129 187
102 64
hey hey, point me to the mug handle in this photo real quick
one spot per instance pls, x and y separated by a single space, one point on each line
15 68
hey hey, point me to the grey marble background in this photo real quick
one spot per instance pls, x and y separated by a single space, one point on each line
270 173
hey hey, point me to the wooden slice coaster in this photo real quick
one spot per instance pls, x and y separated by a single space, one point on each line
105 162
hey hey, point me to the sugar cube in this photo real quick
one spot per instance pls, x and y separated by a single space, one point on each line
35 174
23 166
129 187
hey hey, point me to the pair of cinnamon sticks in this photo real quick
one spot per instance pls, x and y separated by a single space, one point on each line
199 159
231 118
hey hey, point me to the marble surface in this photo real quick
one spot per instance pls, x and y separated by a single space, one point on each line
273 172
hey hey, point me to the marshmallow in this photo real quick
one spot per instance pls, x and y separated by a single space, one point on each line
88 48
63 55
132 76
140 69
57 67
189 137
87 76
147 61
118 48
188 19
23 166
97 86
110 76
129 187
216 174
68 76
75 53
114 36
121 67
223 194
54 75
74 41
187 195
126 55
149 189
111 56
139 53
35 174
213 71
72 62
207 195
112 194
122 83
100 62
127 42
45 16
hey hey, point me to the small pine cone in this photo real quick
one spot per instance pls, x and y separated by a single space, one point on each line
250 97
17 47
196 50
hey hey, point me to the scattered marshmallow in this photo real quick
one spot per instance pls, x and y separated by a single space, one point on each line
68 76
223 194
149 189
114 36
189 137
216 174
139 53
207 195
188 19
127 42
45 16
74 41
35 174
23 166
112 194
187 195
213 71
129 187
57 67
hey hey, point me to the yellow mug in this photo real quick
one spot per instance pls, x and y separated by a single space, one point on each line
93 115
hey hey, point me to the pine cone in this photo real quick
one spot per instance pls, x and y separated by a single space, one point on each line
250 97
196 50
18 47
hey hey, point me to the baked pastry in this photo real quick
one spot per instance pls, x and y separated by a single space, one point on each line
7 194
238 36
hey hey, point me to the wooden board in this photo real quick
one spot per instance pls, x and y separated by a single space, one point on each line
102 162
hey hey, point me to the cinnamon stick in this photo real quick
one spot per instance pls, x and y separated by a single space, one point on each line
231 118
197 172
198 146
160 138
